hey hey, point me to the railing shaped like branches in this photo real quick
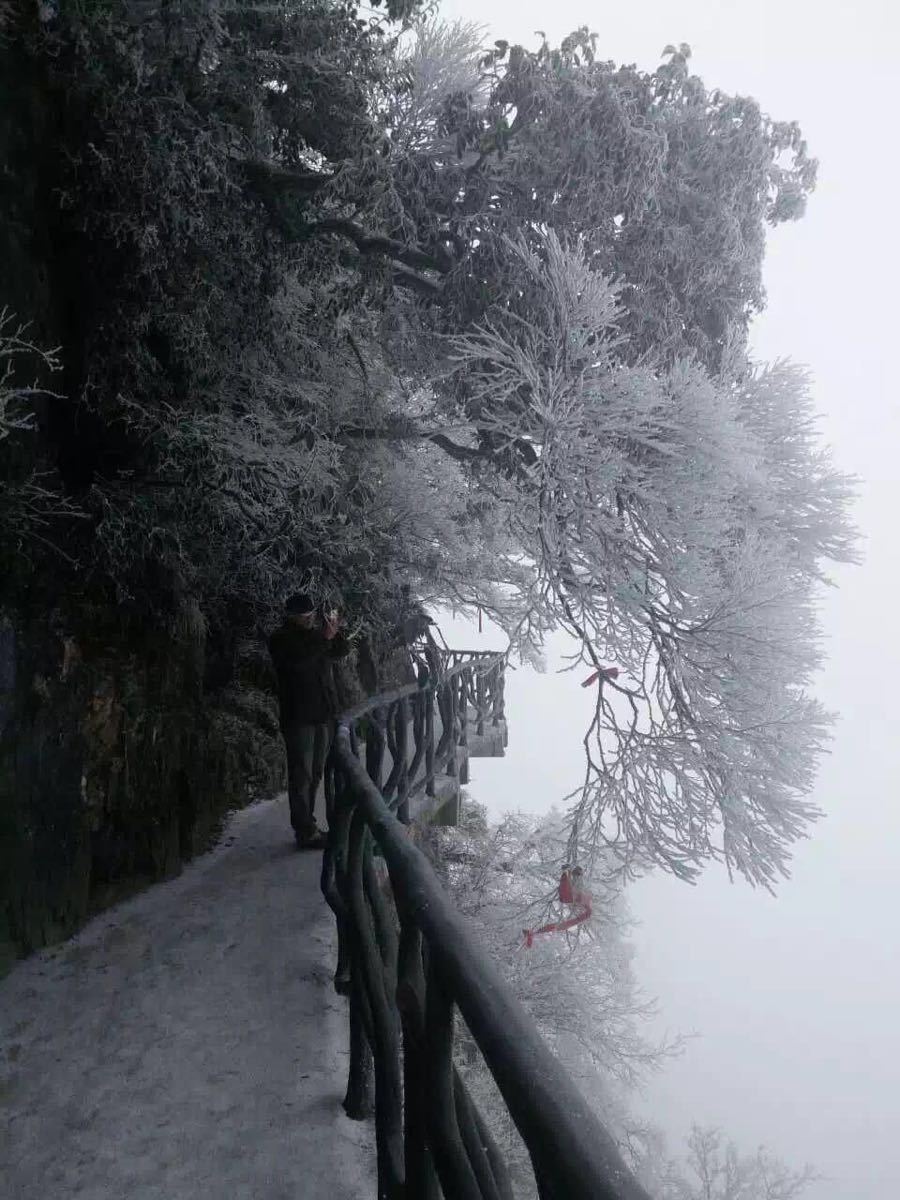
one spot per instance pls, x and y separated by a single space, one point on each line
409 964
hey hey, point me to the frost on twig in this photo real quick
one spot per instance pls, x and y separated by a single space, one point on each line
676 525
30 500
17 354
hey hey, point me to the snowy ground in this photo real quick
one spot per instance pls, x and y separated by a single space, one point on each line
187 1044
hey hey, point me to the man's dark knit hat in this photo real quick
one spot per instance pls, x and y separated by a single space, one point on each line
299 605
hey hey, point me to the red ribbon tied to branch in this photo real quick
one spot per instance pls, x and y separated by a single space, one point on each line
601 673
572 895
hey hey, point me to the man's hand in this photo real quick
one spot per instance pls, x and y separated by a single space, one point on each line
331 625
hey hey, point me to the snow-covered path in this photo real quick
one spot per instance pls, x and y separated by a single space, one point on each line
187 1044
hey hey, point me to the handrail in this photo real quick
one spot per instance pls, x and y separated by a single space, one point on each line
451 688
409 961
490 658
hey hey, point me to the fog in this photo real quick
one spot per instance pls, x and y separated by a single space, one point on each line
796 997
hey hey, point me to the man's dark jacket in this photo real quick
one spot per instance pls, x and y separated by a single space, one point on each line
307 692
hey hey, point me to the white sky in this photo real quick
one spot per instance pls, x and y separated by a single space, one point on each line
797 998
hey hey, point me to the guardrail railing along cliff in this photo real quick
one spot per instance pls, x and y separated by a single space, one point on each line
409 962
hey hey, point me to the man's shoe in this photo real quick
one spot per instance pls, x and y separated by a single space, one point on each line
314 840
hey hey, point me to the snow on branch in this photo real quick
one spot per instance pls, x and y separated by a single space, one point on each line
677 525
30 501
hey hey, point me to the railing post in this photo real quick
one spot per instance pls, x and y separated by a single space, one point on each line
359 1097
454 1170
463 694
396 744
375 745
368 968
359 1102
334 865
420 701
402 741
484 1156
452 728
429 742
421 1180
497 704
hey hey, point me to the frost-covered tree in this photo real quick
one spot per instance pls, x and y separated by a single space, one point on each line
677 525
671 183
219 359
437 62
357 299
715 1169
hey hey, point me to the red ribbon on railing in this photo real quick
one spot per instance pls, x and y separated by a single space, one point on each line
571 894
601 672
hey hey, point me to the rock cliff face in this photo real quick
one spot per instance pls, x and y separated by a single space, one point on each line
121 751
118 761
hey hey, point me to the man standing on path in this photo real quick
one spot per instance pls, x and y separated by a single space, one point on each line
302 651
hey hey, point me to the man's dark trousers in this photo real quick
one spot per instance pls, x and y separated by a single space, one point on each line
307 748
